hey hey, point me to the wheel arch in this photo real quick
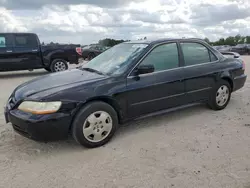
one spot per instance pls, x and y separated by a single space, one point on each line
226 75
55 54
58 56
109 100
229 80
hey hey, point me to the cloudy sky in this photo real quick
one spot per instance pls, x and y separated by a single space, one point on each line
87 21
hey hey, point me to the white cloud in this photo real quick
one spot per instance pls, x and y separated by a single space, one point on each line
87 23
9 23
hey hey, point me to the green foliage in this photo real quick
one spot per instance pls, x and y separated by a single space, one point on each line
207 40
110 42
231 40
238 39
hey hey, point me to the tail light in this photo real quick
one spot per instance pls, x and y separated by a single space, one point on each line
79 50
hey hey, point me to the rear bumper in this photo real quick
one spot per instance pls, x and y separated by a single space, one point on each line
40 127
239 82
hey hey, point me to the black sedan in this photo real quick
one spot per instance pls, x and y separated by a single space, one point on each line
128 81
91 51
242 49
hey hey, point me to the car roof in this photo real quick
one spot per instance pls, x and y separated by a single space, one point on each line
156 41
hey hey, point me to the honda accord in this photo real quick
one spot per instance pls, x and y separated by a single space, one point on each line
128 81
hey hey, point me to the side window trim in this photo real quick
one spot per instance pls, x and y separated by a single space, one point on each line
145 55
208 49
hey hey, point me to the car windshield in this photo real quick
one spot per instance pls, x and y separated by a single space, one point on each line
115 60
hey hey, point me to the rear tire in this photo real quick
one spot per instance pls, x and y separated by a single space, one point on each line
95 124
220 95
58 65
91 56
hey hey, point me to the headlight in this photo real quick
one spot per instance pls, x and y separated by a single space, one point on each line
40 107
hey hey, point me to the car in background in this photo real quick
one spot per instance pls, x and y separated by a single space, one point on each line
242 49
223 48
131 80
91 51
23 51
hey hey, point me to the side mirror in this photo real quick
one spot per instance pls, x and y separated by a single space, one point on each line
144 69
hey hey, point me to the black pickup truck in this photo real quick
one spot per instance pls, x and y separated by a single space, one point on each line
23 51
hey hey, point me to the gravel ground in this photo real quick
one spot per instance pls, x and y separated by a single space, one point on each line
195 147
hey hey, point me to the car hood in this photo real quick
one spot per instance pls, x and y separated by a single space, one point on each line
55 82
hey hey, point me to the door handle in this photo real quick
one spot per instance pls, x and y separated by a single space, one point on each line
35 50
9 51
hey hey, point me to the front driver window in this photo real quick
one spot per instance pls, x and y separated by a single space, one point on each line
163 57
2 42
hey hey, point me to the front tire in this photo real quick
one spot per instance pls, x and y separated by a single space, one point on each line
58 65
220 95
95 124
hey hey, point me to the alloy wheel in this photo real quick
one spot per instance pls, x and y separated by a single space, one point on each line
60 66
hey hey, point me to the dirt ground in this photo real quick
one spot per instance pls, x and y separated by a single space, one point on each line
195 148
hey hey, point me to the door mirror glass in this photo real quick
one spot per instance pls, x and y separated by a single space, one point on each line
144 69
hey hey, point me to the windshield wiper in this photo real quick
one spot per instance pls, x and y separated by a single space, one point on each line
92 70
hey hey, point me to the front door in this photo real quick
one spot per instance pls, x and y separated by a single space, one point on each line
6 52
159 90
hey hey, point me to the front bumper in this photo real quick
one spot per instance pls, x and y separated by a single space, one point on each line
49 127
239 82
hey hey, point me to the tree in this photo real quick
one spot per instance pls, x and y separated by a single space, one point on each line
110 42
248 39
221 41
207 40
230 41
237 38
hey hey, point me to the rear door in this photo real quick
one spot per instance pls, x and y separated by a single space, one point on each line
27 51
201 68
6 52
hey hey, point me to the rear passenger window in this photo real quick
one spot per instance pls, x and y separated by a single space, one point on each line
2 42
163 57
195 53
26 41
